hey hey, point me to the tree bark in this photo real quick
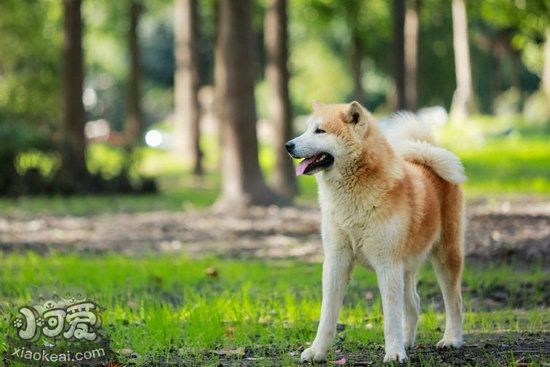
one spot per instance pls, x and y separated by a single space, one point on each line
357 55
399 51
546 65
276 46
463 100
411 30
242 181
74 141
134 119
187 123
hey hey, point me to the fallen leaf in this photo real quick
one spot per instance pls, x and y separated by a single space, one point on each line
212 272
340 362
128 353
229 330
239 352
125 351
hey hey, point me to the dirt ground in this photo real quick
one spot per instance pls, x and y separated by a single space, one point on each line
509 230
496 349
517 349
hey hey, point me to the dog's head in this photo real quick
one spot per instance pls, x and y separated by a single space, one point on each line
332 137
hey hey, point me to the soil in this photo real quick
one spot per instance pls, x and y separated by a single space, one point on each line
496 349
508 231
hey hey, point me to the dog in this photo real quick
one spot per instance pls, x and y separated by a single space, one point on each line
388 200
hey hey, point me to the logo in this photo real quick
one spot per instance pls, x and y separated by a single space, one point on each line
56 330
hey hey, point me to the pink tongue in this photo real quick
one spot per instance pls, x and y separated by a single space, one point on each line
301 167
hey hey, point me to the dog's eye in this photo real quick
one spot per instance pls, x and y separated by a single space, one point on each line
319 131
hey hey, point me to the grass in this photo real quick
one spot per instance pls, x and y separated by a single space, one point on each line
168 307
500 158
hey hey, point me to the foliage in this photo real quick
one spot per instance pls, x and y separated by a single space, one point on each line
29 65
530 20
322 81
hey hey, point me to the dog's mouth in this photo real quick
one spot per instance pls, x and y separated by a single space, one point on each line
314 164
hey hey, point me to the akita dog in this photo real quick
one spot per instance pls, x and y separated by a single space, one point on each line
388 201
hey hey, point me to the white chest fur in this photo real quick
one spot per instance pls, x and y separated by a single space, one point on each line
371 236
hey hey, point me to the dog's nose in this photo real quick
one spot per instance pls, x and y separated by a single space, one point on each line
289 146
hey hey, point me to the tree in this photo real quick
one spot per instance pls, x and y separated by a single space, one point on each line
357 17
74 141
357 56
399 51
276 45
546 65
463 100
187 82
242 181
134 119
411 28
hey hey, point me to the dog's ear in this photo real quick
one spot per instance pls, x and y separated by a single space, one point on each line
316 105
355 113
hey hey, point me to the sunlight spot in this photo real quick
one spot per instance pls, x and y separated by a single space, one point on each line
153 138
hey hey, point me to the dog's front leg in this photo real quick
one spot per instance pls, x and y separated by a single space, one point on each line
336 271
391 283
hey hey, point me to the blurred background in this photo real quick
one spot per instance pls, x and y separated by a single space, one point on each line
157 104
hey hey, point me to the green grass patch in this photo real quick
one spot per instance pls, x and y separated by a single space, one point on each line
158 305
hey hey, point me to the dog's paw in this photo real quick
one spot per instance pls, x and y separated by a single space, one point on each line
313 354
396 356
450 343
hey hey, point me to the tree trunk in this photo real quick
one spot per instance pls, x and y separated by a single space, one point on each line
546 66
276 46
134 119
463 100
242 181
399 51
74 141
187 106
357 55
411 29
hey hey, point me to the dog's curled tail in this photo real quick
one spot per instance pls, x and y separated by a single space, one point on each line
412 138
443 162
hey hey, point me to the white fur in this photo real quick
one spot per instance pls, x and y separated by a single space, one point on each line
413 139
405 125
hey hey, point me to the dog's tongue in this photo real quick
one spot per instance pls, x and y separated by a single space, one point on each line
301 167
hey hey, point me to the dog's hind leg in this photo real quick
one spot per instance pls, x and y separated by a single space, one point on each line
449 277
448 260
412 309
